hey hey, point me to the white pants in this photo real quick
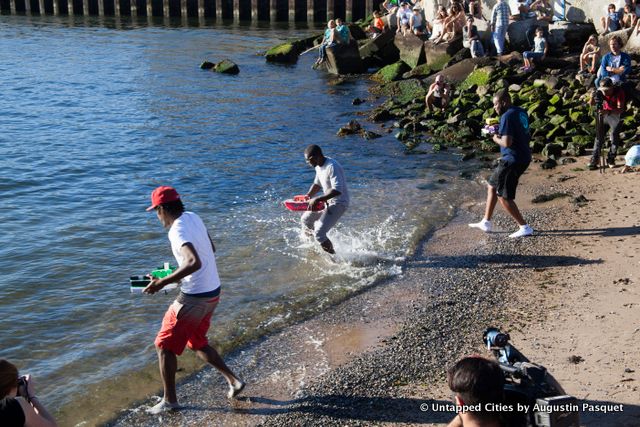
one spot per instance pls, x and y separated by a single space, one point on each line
498 39
322 221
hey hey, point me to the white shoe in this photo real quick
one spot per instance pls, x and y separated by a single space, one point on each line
524 230
484 225
235 389
163 406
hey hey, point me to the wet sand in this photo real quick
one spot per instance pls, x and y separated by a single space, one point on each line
570 290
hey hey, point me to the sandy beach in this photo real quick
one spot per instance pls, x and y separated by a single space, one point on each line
568 296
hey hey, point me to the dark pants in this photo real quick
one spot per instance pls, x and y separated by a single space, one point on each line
614 122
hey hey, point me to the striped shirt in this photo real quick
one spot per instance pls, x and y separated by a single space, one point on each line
500 14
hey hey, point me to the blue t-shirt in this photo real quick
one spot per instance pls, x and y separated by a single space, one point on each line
515 123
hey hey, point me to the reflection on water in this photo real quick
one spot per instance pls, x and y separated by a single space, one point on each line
96 113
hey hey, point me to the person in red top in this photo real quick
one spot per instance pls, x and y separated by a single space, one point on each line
377 25
613 106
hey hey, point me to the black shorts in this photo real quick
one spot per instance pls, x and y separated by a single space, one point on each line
437 101
505 178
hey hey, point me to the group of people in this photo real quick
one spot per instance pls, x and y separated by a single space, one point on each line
617 19
336 33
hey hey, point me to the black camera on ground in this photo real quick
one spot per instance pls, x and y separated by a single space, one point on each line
535 396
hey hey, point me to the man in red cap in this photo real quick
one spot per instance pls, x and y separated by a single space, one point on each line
187 319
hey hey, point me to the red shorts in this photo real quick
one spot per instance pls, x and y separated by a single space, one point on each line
186 322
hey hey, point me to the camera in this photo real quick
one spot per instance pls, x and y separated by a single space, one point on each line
598 98
529 385
23 385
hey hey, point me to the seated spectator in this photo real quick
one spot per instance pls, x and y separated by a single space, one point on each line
539 53
344 35
628 17
19 405
390 5
417 23
590 54
524 10
453 24
476 381
611 22
612 108
542 10
471 39
615 64
475 9
330 39
403 15
438 23
377 25
438 94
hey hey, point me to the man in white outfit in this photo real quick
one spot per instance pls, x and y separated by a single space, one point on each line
330 179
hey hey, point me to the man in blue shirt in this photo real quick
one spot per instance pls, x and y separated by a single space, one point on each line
616 64
513 138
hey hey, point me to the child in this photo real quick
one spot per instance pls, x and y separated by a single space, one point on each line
590 54
377 25
539 52
415 22
611 22
628 17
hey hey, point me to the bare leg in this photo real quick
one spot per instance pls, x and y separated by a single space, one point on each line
168 365
492 199
211 356
511 207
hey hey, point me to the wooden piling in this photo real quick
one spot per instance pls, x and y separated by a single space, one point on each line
348 11
85 7
330 9
100 7
56 7
200 8
236 10
134 8
292 10
310 10
254 10
41 9
149 9
183 8
27 7
12 6
70 7
273 10
165 8
218 10
116 8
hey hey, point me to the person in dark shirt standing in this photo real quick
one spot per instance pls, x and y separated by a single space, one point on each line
513 138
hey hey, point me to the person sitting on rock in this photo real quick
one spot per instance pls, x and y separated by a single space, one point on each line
438 23
612 108
471 39
628 17
475 9
611 22
416 22
615 64
539 52
329 40
542 10
344 35
377 25
453 24
390 6
524 10
438 94
590 54
403 16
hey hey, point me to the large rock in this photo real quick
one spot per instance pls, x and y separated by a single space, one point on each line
603 40
411 48
632 46
344 59
517 34
390 72
439 54
357 32
226 67
288 52
571 34
462 70
380 51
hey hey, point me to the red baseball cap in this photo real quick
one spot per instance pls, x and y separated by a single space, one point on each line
163 194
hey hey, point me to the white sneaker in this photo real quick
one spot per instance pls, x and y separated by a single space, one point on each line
235 389
163 406
484 225
524 230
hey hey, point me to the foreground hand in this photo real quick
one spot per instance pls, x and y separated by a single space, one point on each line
154 286
312 202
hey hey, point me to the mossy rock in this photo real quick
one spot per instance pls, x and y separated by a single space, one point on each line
582 140
574 149
489 146
551 109
405 91
557 120
537 144
577 116
207 65
475 113
552 150
421 71
479 77
226 67
553 133
390 73
283 53
556 100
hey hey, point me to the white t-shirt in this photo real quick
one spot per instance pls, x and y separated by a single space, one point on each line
189 228
331 176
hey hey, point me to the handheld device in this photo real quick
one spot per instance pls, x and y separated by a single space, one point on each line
138 283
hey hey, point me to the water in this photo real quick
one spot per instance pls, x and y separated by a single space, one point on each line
94 115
